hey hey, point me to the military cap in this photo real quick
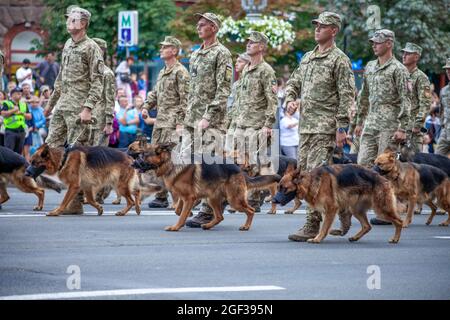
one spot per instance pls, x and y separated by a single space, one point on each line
82 13
211 17
382 35
244 56
256 36
328 18
101 43
412 48
171 41
447 65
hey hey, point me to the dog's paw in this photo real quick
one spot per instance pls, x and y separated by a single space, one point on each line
120 214
313 240
393 240
443 224
206 226
406 224
171 228
37 208
271 212
116 201
353 239
53 213
289 212
100 211
428 222
244 228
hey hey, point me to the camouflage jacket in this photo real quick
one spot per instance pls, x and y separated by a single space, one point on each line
211 72
233 111
384 100
170 96
80 80
420 98
105 111
258 99
326 86
445 105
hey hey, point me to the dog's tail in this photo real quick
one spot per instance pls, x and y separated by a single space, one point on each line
48 183
261 182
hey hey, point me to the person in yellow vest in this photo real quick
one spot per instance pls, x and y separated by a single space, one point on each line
15 113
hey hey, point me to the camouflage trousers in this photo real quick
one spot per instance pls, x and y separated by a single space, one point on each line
356 143
63 128
315 150
163 135
443 146
254 143
416 141
373 143
98 138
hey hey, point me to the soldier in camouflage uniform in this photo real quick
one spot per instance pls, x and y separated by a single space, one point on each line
78 89
257 105
443 146
420 97
325 83
210 85
384 100
104 113
170 97
233 110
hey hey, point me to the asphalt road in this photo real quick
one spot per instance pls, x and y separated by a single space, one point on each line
133 257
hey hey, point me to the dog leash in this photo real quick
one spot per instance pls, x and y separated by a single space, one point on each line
87 126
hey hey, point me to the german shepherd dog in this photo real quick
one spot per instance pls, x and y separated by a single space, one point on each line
88 169
348 189
12 169
191 182
415 184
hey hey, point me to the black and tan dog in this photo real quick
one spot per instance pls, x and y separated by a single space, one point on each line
12 170
88 169
415 184
214 182
345 189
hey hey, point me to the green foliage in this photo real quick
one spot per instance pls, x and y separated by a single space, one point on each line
154 17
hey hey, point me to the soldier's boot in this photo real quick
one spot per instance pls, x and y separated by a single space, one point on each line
205 215
75 207
310 229
160 201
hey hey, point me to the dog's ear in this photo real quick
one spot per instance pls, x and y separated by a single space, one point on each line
45 151
168 147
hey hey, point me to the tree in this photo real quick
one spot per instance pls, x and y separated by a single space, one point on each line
420 21
154 17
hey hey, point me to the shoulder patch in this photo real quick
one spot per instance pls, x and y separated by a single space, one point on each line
101 67
427 92
228 72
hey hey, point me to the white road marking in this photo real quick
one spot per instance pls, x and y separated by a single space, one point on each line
442 237
110 293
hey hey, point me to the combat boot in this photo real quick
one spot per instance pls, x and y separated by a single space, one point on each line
75 207
309 230
204 216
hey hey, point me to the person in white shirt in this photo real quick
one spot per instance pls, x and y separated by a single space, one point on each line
25 74
289 137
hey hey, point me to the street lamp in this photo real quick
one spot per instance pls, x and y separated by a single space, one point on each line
253 8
